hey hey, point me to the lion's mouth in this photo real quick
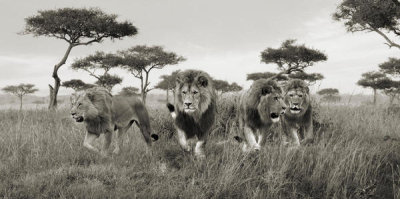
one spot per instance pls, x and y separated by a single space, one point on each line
78 119
295 110
274 117
189 110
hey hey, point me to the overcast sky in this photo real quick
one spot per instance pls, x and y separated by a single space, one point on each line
223 38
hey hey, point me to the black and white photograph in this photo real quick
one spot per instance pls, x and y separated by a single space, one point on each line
200 99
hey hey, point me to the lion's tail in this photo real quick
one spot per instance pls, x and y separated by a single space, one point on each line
171 109
144 123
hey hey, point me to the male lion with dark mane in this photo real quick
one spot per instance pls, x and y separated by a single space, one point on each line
297 122
196 107
103 113
260 107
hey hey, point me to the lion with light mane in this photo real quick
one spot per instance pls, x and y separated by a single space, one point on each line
297 122
195 109
103 113
260 107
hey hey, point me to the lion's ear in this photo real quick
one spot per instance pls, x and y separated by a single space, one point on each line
91 96
202 81
266 90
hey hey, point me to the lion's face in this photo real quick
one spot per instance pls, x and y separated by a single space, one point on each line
194 91
81 107
190 98
271 106
297 100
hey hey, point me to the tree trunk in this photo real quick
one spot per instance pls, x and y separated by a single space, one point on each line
20 103
57 81
173 93
374 96
167 95
144 95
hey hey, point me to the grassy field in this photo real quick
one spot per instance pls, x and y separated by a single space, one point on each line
357 156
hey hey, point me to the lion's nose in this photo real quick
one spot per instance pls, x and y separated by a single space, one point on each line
296 104
188 104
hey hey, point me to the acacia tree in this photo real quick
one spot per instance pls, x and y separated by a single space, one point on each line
167 83
141 60
266 75
329 94
76 84
380 16
392 69
224 86
292 59
20 91
129 91
376 81
76 26
103 62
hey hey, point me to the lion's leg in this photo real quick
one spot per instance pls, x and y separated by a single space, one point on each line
295 137
107 142
251 138
88 142
118 145
199 149
182 139
308 134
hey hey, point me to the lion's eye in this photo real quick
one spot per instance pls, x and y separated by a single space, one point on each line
184 92
79 104
300 95
290 95
195 92
276 98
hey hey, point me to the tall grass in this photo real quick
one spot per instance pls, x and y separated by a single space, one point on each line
356 156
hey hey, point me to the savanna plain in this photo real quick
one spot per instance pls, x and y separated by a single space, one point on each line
356 155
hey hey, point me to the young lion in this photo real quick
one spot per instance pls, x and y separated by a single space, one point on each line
196 107
297 122
103 113
260 106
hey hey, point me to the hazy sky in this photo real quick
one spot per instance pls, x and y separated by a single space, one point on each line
221 37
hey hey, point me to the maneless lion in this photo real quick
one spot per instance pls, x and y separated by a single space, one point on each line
297 122
103 113
260 107
195 109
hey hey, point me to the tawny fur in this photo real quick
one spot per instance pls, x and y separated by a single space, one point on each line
256 106
299 124
103 113
198 122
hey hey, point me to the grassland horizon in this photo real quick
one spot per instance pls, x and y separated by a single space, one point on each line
356 156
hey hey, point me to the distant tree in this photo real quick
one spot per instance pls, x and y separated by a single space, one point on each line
292 58
266 75
391 67
168 83
76 26
103 62
129 91
380 16
310 78
376 81
224 86
392 90
108 81
329 94
20 91
76 84
141 60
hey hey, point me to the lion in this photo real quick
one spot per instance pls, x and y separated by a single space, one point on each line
195 109
297 123
260 107
103 113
